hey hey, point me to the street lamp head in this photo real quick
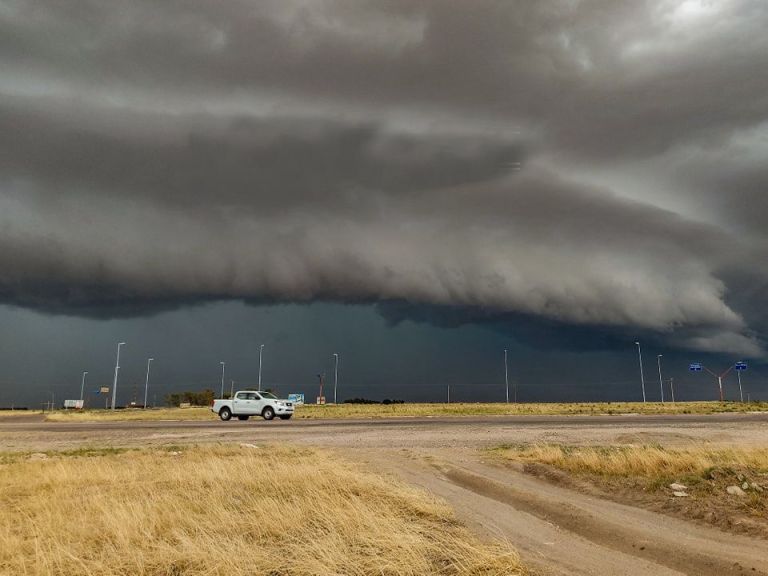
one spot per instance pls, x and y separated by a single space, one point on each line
121 343
222 363
151 359
660 356
636 342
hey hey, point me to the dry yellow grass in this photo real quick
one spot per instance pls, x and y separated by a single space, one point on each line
226 511
501 409
423 410
185 414
12 413
643 475
641 461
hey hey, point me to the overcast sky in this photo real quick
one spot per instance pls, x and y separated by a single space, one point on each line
417 185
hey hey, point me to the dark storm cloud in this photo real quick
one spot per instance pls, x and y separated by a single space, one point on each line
518 160
190 160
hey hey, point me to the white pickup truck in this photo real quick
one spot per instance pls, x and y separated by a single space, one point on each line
247 403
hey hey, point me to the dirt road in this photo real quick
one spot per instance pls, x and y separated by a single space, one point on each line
557 530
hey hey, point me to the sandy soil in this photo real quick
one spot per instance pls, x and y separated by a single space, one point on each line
558 530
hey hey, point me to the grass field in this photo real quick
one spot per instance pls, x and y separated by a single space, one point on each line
413 410
12 413
644 474
652 462
226 511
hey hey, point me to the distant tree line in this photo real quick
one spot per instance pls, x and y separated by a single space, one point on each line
204 398
367 401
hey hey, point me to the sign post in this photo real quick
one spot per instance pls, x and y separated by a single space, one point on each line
740 367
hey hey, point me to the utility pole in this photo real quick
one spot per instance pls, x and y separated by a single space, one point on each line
320 377
449 393
672 388
222 378
642 378
232 389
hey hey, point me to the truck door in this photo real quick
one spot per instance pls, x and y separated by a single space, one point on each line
258 403
244 403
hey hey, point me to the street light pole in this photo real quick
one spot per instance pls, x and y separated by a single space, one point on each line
82 385
261 350
222 378
335 378
146 383
642 378
506 374
117 369
661 382
672 388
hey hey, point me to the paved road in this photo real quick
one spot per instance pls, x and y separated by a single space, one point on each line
471 432
38 424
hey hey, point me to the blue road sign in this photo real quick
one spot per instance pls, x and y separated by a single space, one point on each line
695 367
740 366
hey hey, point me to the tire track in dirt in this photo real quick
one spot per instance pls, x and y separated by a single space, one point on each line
599 530
559 531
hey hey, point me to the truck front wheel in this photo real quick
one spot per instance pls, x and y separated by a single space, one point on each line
225 413
268 413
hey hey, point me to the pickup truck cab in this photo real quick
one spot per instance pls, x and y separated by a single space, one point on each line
247 403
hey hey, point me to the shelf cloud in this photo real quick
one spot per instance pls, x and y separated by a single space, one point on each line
590 164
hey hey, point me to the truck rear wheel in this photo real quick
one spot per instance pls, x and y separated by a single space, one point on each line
225 413
268 413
